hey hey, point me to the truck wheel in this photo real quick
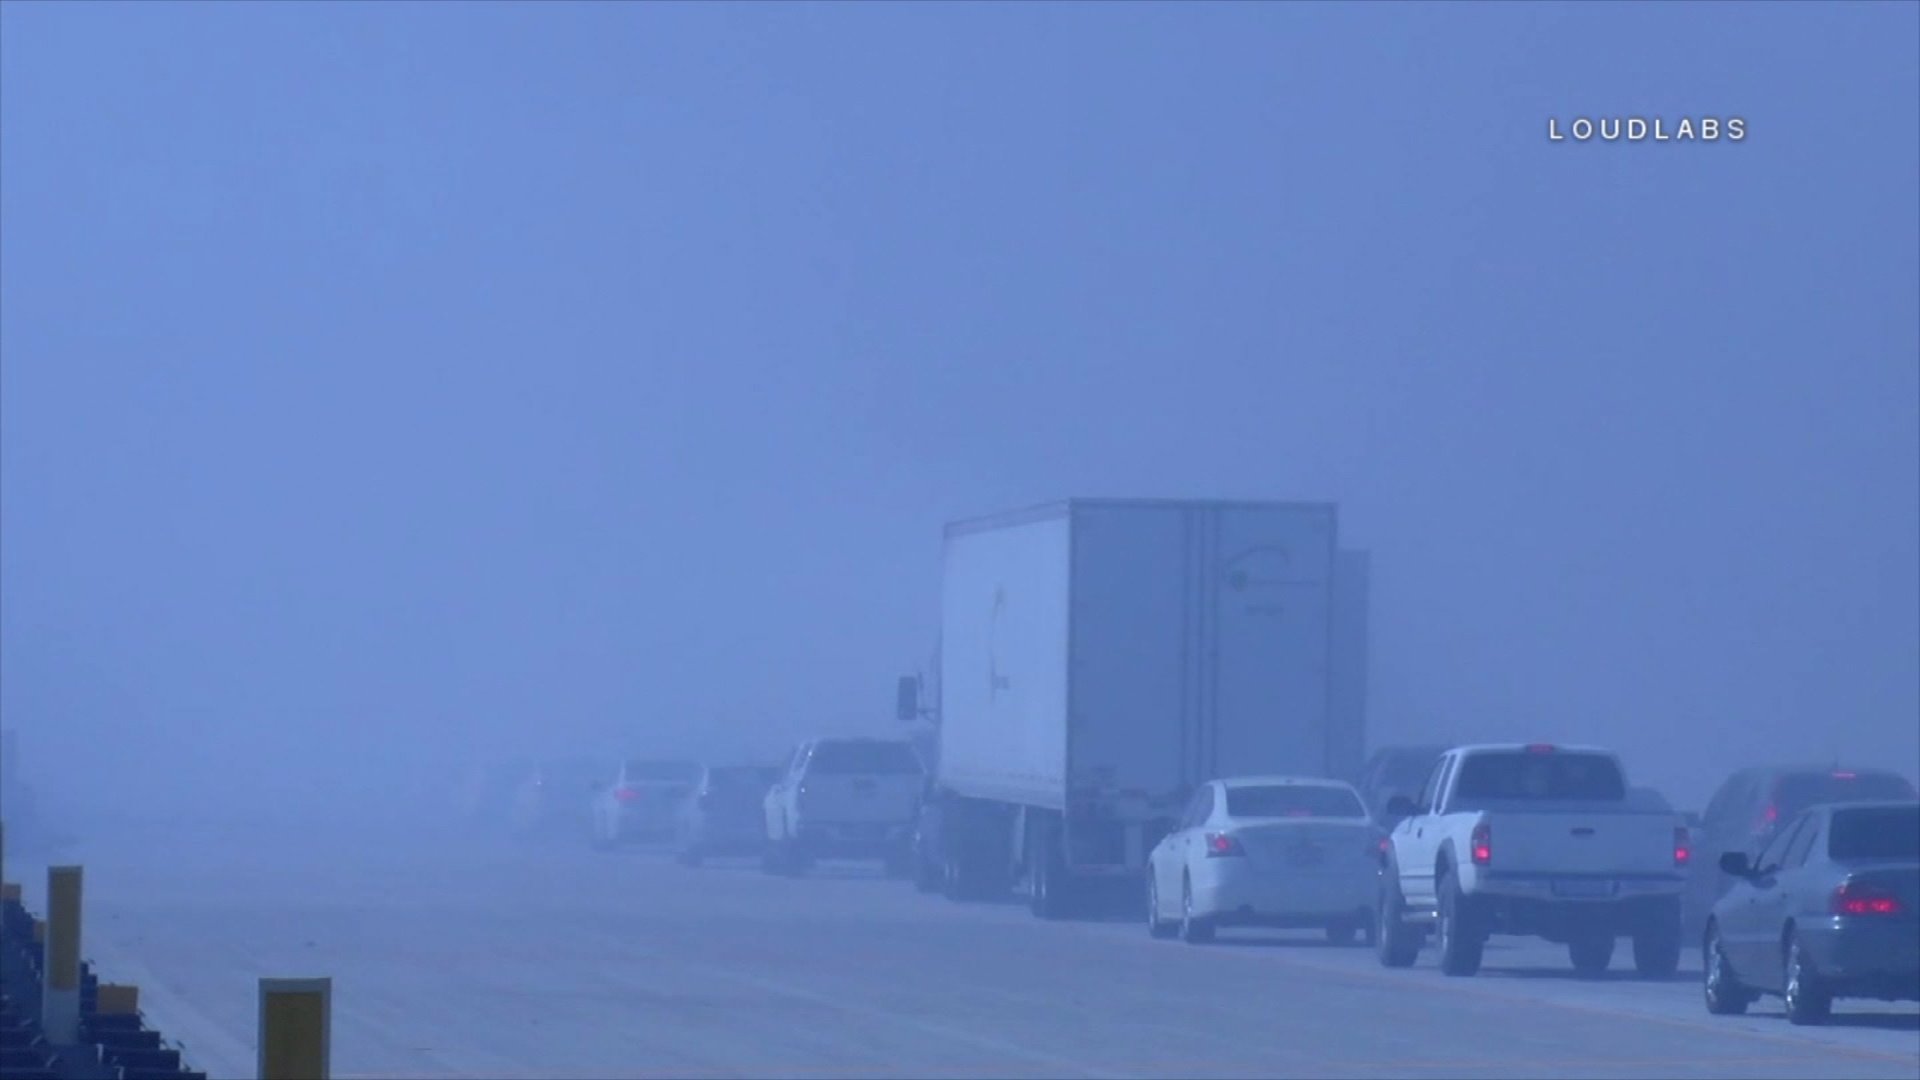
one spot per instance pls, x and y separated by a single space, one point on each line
1808 1000
1342 933
1591 952
1656 943
1459 940
1397 943
926 873
1050 887
1720 986
1194 929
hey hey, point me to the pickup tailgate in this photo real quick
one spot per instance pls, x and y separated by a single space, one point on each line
1599 842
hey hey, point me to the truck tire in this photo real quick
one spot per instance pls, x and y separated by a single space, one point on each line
926 872
1656 943
1457 932
1050 887
1397 943
1591 952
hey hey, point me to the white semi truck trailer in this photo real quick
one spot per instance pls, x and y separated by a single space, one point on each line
1099 658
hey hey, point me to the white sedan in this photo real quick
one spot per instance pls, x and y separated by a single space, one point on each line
1272 851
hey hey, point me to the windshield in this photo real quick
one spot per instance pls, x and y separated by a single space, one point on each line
662 771
889 758
1802 791
1877 832
1293 800
1521 774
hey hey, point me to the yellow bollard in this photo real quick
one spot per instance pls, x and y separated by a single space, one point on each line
60 994
296 1029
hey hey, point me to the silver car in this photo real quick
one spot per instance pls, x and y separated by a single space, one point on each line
1829 908
640 802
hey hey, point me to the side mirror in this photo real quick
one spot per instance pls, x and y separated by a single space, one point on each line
906 699
1736 864
1401 806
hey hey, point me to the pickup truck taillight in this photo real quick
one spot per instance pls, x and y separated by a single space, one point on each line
1482 844
1853 899
1221 846
1682 846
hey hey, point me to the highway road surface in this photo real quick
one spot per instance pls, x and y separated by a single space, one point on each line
462 958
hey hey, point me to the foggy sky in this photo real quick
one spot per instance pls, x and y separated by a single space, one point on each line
388 386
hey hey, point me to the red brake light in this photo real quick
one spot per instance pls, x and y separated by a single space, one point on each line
1382 845
1482 844
1220 845
625 794
1540 748
1851 899
1682 846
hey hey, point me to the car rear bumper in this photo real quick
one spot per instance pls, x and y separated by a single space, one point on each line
1248 897
1860 957
1537 909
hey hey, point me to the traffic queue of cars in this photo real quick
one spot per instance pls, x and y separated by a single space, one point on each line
1799 883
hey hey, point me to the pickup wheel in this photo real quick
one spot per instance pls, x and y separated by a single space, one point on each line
1591 952
1460 943
1397 943
1656 943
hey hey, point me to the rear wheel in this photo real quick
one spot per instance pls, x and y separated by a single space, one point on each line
926 873
1719 985
1049 888
1591 952
1343 933
1460 943
1808 1000
1194 929
1397 943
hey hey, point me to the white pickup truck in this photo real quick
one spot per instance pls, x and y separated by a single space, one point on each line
1535 840
845 798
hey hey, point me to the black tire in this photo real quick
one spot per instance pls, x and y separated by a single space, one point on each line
1050 892
1157 928
1656 944
1808 1001
1457 933
1724 994
1194 929
926 873
1591 953
1343 933
1397 943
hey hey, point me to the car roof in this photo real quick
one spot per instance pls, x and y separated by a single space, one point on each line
1515 748
1282 781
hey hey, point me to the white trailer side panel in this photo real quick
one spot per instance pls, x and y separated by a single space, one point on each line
1200 645
1003 660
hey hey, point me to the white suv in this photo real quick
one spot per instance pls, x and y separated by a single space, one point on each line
844 798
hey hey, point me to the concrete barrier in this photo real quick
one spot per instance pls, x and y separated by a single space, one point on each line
296 1029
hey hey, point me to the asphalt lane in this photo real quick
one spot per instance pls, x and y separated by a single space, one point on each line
452 958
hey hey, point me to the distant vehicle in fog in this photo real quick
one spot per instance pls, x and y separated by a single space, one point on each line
1282 852
843 798
1101 658
640 802
1750 806
486 796
723 814
1396 770
556 797
1829 908
1536 840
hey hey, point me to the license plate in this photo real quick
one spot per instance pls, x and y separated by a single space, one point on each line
1583 888
1306 856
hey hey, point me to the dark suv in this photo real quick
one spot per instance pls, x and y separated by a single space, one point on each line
1753 803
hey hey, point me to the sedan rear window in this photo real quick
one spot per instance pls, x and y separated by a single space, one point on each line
1293 800
1543 776
886 758
1878 832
